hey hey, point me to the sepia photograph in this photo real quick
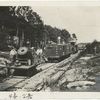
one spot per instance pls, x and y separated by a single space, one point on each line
49 49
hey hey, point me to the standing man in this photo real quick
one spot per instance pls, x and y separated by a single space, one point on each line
39 54
13 54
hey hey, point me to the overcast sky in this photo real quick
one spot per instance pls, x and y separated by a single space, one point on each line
82 20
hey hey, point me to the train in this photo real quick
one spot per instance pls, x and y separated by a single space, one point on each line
59 51
26 59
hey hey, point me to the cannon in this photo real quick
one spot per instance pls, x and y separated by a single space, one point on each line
24 56
24 62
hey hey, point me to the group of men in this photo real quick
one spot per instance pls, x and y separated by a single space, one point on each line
39 53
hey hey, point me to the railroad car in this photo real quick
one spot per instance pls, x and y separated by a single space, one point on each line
59 51
23 64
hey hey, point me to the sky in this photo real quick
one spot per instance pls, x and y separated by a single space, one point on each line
84 21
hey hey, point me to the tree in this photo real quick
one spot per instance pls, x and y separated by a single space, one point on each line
52 33
93 47
65 35
16 20
33 19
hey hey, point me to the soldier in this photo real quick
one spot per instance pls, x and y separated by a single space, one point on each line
39 51
39 54
13 54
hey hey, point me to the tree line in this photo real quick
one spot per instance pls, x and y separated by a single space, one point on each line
93 48
16 20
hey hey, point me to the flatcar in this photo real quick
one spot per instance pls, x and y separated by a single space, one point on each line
23 64
59 51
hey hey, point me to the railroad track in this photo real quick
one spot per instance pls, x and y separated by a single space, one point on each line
16 81
12 82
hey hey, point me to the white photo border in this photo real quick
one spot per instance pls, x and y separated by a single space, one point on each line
50 95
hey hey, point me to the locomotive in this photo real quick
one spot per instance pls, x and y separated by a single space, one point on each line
59 51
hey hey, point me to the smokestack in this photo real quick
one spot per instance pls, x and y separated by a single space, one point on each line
59 40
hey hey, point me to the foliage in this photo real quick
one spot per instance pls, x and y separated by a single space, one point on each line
32 19
26 13
53 33
90 47
14 20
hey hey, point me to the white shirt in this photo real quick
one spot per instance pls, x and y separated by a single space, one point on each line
39 51
13 52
